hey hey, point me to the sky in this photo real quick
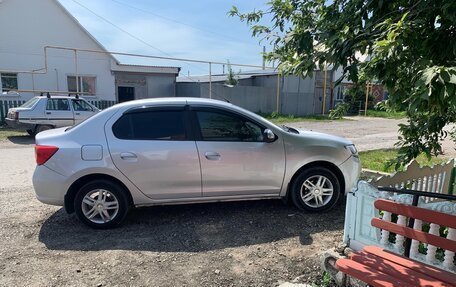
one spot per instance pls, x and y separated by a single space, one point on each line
198 29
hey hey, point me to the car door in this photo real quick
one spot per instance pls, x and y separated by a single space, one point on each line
154 149
235 160
82 110
58 112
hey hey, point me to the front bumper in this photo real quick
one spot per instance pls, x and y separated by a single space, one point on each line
15 124
351 169
50 187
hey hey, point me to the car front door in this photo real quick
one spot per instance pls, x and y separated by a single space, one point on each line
82 110
153 148
235 159
58 112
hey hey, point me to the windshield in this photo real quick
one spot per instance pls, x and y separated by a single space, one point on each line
30 103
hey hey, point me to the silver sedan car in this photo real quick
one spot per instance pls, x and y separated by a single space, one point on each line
186 150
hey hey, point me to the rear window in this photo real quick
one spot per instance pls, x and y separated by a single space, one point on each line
151 125
30 103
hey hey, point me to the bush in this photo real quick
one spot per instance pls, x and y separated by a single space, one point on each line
339 111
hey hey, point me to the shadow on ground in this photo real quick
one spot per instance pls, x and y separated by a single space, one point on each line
192 228
22 140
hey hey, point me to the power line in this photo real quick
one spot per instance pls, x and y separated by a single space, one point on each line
121 29
130 34
181 23
133 36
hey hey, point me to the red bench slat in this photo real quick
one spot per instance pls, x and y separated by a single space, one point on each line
368 274
412 264
404 273
416 212
421 236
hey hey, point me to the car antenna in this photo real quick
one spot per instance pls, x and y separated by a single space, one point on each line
48 95
41 94
226 100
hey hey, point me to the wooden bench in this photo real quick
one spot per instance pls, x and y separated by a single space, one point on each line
379 267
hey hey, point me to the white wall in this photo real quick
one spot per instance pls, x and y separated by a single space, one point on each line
26 26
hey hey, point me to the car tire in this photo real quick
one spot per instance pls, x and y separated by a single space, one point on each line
31 132
315 189
101 204
42 128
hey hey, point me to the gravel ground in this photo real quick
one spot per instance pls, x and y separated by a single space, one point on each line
254 243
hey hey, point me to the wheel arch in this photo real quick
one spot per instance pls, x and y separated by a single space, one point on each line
73 189
326 164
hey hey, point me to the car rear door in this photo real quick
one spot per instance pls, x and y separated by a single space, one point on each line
154 149
58 112
235 160
82 110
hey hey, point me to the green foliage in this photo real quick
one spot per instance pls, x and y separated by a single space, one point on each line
382 159
411 47
325 281
339 111
232 78
282 119
386 114
356 99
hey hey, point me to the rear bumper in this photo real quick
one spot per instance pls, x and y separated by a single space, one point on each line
50 187
15 124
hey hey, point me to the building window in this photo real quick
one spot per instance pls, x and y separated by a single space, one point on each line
9 82
86 84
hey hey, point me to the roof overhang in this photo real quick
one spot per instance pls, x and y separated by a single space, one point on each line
144 69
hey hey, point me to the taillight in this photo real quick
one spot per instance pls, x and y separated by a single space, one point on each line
16 116
44 152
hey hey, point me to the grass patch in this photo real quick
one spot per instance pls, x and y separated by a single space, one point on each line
386 115
378 159
6 132
281 119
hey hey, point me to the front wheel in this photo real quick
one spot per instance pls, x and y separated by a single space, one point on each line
315 189
101 204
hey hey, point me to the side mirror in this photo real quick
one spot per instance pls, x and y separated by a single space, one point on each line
269 136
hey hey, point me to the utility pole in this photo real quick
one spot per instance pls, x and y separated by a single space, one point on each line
324 90
264 58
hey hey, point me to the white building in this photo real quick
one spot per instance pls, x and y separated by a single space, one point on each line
26 27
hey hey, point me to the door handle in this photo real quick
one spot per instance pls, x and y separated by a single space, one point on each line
210 155
78 114
128 156
48 113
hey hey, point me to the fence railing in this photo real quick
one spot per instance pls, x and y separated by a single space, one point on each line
7 104
102 104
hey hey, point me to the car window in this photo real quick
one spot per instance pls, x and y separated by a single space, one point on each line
30 103
221 126
57 105
151 125
80 105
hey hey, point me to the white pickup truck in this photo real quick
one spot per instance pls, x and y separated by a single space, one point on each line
44 113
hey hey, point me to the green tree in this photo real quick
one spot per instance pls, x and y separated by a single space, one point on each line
232 78
410 47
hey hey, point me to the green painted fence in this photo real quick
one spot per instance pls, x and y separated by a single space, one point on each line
7 104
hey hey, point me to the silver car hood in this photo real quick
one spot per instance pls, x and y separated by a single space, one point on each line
311 135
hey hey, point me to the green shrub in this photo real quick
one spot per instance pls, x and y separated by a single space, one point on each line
339 111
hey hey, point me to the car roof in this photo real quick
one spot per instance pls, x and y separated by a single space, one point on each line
174 100
59 97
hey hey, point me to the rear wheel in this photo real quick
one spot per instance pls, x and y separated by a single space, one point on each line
315 189
42 128
31 132
101 204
